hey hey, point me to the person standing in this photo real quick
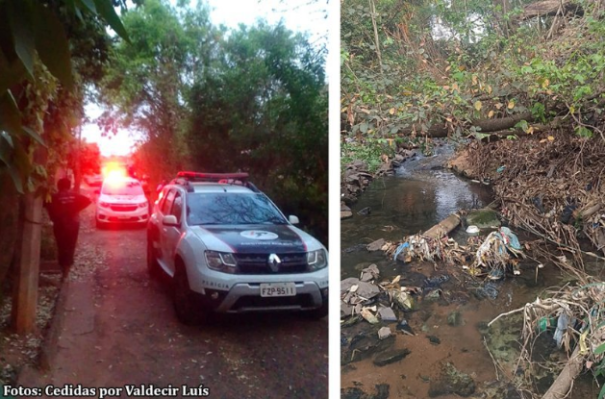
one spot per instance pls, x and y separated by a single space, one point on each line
63 210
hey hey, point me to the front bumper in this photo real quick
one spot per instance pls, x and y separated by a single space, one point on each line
245 298
107 215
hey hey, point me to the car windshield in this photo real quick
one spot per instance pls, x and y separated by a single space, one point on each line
229 208
122 187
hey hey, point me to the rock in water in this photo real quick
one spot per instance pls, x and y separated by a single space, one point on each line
382 392
451 381
365 211
382 359
483 218
384 332
387 314
376 245
345 211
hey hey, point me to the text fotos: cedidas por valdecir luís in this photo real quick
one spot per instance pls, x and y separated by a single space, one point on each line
106 392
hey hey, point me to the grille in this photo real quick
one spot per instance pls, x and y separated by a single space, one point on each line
123 207
257 263
302 301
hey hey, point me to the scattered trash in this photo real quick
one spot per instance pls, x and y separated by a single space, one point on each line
563 322
367 314
545 323
472 230
400 249
404 327
401 298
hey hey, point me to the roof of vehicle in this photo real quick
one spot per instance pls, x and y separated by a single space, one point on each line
122 179
214 182
210 187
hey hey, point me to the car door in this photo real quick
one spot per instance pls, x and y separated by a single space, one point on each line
172 234
163 230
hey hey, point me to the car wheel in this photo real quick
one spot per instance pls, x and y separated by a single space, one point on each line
99 225
186 302
153 267
318 313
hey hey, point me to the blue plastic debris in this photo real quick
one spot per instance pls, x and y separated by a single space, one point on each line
400 249
501 169
562 323
510 238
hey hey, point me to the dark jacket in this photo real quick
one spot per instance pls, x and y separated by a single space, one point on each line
65 207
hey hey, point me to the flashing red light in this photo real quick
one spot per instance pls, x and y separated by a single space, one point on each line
221 177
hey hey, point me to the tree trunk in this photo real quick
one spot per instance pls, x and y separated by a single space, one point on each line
25 299
560 388
486 125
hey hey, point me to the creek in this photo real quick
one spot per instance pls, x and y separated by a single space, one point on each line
419 195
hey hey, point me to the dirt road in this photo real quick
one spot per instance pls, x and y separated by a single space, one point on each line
117 327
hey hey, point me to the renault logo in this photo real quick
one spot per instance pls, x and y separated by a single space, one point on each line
274 262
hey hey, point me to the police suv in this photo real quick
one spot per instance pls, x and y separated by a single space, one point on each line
229 249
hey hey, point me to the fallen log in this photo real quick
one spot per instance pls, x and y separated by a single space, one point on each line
561 387
486 125
550 8
443 228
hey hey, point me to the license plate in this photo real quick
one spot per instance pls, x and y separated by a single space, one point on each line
277 289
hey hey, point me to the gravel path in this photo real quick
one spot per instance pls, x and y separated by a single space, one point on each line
116 327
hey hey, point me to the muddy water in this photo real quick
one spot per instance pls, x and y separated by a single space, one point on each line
419 196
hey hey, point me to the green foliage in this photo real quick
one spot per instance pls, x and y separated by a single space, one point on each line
253 99
161 57
34 54
263 109
370 152
447 63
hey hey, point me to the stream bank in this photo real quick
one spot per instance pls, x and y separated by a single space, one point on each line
441 351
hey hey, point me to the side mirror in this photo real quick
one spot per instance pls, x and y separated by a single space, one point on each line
293 219
170 220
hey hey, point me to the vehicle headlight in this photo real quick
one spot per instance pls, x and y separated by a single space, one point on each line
104 204
221 261
317 259
142 205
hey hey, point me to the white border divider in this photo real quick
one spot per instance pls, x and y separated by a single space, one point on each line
333 73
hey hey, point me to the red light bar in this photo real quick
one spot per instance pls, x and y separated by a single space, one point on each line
212 176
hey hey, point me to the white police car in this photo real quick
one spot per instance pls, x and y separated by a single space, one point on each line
229 249
121 200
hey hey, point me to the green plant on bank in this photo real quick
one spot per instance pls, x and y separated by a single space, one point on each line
41 84
438 68
600 369
370 152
